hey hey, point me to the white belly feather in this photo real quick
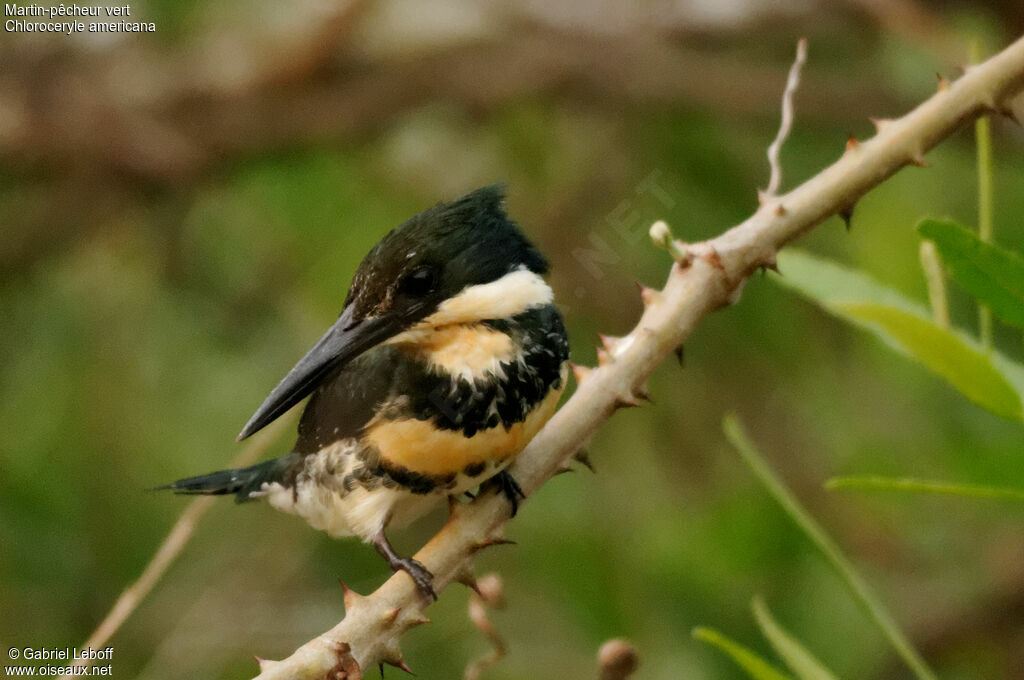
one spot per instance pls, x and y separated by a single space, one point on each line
320 499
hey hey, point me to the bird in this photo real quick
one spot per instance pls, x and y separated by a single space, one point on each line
448 356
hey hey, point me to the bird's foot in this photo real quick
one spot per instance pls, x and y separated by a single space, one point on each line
419 574
508 485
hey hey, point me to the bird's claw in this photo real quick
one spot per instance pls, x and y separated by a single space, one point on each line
419 574
508 485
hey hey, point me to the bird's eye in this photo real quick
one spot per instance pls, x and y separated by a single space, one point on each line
419 282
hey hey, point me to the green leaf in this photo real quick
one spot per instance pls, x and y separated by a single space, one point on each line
991 381
756 667
796 656
992 274
924 486
967 368
828 282
858 587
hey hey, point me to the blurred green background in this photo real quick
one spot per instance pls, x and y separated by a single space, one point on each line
181 215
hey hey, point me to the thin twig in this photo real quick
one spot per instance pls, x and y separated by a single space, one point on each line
488 595
176 540
709 280
792 83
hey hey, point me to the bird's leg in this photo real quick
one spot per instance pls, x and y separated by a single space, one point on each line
510 487
423 579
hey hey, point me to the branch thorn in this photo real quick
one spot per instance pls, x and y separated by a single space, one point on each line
417 620
352 598
847 215
851 143
648 295
880 124
265 664
488 542
392 656
583 458
609 342
400 664
943 83
627 401
581 373
467 579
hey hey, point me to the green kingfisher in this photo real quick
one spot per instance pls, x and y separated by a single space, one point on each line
447 358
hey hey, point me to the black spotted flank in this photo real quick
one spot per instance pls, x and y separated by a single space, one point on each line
474 469
507 398
412 481
391 383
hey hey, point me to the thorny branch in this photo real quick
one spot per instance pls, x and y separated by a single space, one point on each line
709 276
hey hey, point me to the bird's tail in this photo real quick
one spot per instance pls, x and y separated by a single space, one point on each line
241 482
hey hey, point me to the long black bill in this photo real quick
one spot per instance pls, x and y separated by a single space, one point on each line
343 342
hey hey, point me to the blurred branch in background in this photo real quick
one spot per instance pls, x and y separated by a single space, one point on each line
488 594
182 123
111 119
176 540
916 23
709 276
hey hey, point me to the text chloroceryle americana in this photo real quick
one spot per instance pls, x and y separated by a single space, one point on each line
447 358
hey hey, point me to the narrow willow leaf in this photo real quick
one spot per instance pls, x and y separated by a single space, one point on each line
990 380
828 282
992 274
924 486
858 587
756 667
800 661
966 368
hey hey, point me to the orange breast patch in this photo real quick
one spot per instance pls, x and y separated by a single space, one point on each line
420 447
472 351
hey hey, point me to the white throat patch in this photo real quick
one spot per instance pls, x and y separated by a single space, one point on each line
453 339
512 294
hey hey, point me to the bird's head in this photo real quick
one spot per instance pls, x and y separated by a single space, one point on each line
455 263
